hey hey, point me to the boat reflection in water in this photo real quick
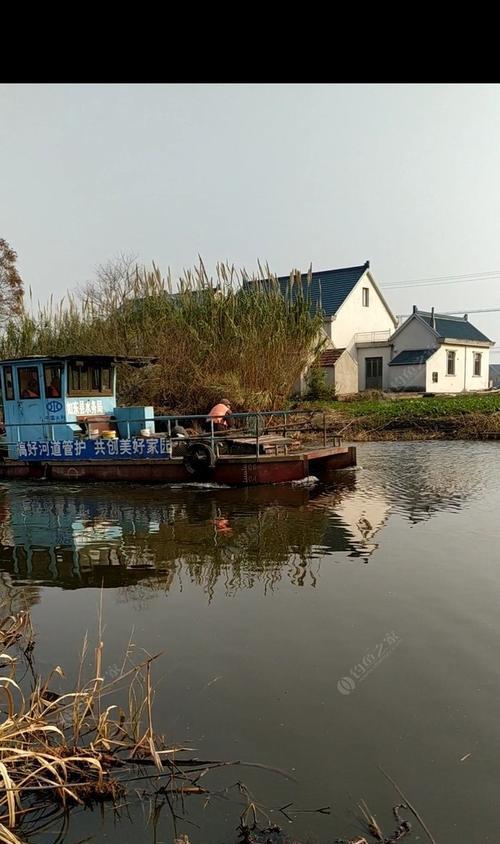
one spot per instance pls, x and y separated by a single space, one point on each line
117 536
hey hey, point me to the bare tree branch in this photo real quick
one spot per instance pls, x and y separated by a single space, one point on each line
11 284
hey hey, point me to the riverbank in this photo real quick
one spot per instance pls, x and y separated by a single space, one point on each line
466 417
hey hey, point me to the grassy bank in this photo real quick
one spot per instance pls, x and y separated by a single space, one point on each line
385 418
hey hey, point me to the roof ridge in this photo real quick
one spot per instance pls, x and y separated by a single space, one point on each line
363 267
442 316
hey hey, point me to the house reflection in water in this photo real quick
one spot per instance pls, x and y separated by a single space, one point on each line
354 521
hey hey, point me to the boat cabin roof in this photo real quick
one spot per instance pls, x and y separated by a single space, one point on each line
132 360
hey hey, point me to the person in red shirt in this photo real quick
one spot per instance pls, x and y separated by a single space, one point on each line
54 388
31 391
221 416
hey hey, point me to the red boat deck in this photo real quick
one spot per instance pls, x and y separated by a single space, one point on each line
233 470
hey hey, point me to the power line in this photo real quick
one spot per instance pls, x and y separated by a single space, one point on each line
405 285
444 278
463 311
473 311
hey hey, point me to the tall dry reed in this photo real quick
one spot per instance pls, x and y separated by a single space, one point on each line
232 335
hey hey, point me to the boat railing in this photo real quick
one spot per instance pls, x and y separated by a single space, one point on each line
254 424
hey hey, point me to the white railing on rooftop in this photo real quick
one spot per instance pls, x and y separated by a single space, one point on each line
372 336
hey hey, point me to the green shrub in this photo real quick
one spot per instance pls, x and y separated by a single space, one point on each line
318 389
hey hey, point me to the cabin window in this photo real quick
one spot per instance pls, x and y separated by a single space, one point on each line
366 297
95 379
9 383
450 356
29 382
106 381
89 379
434 377
53 376
477 363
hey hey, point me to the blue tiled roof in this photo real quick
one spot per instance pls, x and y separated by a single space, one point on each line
409 356
328 289
456 328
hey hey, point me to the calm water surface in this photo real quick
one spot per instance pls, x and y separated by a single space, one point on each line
323 631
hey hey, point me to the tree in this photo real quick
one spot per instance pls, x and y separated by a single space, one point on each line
114 284
11 284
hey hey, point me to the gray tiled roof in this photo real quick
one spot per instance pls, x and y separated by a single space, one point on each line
456 328
327 290
411 356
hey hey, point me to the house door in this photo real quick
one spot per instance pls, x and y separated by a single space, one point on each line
373 373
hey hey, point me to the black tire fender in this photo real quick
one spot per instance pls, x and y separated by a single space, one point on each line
199 458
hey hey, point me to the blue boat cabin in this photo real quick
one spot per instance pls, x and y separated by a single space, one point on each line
63 399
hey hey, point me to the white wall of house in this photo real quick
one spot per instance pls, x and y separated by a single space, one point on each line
353 317
464 378
409 378
328 324
346 375
415 335
373 351
343 376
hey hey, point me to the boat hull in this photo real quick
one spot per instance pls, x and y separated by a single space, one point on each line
229 469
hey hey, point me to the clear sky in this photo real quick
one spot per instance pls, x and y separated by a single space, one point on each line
406 176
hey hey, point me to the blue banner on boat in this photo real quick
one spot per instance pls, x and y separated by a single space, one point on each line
136 449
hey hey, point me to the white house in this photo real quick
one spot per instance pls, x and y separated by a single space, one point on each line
495 375
454 354
430 353
365 349
354 311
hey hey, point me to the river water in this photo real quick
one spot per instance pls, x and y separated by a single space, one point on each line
324 631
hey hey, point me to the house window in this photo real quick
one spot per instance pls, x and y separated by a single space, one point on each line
366 297
9 383
434 377
52 377
477 363
450 370
29 384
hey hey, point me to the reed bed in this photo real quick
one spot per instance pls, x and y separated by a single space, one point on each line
60 750
230 335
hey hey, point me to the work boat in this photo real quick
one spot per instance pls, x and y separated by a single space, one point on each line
62 423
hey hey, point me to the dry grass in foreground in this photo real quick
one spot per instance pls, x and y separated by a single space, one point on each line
59 751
